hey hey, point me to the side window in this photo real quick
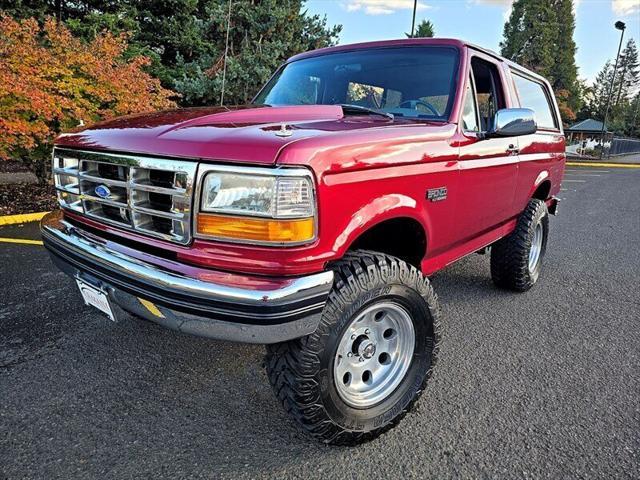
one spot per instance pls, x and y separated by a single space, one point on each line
470 110
364 95
489 96
372 96
305 90
532 95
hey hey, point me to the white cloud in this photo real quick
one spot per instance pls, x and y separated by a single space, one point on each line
506 4
625 7
383 7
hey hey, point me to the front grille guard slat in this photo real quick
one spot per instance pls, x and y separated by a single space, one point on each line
169 220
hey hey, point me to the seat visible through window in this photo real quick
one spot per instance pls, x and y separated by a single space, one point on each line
489 99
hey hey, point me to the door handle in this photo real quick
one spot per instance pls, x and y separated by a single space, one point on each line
513 150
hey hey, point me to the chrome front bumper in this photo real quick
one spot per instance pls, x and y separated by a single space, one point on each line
193 300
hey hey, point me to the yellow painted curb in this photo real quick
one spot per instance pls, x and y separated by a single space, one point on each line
24 241
603 164
23 218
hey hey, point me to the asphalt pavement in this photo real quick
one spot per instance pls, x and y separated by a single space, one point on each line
544 384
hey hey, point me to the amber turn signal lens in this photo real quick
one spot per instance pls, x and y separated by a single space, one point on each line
256 229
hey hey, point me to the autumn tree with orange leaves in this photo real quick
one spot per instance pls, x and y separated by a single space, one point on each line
51 82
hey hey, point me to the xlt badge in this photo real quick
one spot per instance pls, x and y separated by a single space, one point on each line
437 194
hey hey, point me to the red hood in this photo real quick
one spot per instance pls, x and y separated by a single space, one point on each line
242 134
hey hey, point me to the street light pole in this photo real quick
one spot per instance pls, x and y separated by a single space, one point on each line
413 21
619 26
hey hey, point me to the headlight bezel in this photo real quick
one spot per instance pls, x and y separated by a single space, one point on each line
282 172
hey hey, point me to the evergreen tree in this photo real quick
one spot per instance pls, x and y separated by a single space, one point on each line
624 114
628 74
564 72
539 36
632 119
599 92
262 35
424 30
530 35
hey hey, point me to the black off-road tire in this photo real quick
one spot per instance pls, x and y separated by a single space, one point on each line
510 255
301 371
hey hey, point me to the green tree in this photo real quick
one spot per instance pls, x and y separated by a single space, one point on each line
564 73
598 93
539 36
185 39
632 119
424 30
262 35
623 117
628 74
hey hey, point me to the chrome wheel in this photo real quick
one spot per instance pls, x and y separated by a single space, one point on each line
536 247
374 354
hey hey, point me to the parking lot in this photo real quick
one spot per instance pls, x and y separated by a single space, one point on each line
544 384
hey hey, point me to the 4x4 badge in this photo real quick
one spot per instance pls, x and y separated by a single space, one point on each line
437 194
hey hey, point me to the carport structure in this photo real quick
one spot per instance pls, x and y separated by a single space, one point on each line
585 136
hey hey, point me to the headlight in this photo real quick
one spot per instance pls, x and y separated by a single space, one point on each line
270 208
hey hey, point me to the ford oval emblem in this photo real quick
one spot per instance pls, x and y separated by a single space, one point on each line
102 191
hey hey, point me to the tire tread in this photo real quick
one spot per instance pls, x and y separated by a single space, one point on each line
292 366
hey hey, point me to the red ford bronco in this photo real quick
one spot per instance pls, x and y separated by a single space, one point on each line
310 219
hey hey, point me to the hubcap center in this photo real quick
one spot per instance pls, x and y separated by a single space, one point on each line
367 350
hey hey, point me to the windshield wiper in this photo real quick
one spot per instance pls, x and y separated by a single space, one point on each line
348 108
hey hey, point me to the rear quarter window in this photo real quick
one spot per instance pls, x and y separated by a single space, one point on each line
533 95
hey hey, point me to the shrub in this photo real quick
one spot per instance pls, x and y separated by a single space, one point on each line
51 81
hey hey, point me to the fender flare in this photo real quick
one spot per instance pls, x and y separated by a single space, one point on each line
378 210
540 179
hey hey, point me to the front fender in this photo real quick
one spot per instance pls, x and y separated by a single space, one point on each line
376 211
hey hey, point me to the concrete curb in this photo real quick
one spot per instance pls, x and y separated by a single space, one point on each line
22 218
603 164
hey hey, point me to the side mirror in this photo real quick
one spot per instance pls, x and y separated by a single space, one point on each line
512 122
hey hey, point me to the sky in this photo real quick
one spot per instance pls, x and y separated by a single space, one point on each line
481 22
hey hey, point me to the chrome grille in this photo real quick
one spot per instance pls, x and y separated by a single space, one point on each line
152 196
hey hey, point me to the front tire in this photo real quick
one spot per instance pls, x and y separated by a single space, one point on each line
367 363
516 260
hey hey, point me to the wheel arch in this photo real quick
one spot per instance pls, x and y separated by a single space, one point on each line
541 187
402 236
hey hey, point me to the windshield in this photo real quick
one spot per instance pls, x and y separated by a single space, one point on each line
414 82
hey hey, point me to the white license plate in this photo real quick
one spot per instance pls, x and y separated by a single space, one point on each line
96 298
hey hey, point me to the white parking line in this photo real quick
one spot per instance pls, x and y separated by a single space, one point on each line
587 170
575 181
582 175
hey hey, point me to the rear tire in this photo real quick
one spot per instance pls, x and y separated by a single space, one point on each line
516 260
364 367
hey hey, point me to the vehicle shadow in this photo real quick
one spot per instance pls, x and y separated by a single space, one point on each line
178 405
210 403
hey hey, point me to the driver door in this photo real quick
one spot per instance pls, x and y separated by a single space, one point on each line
488 166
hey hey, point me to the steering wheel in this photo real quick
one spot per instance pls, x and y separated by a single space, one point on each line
413 104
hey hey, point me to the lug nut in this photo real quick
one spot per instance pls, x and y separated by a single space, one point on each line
353 337
349 354
367 331
361 359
